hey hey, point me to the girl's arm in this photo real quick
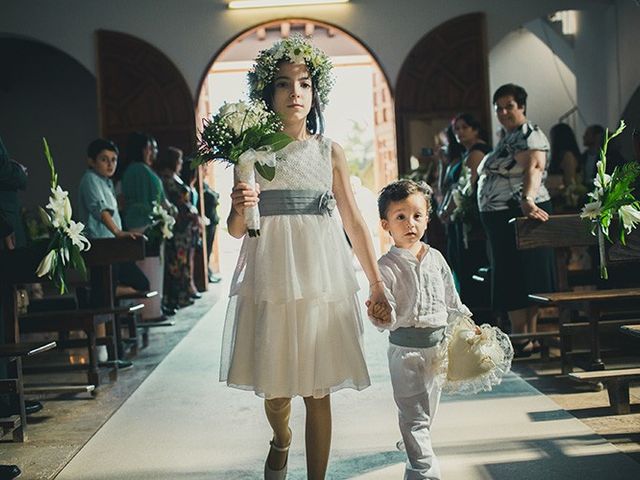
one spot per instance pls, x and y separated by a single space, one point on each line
356 229
242 197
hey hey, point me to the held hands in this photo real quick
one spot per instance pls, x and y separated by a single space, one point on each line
243 196
531 210
378 306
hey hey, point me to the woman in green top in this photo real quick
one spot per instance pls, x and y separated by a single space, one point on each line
141 186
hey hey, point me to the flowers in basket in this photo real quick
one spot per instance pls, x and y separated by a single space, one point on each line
472 359
245 135
66 238
613 197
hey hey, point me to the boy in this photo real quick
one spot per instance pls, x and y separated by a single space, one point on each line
98 210
419 286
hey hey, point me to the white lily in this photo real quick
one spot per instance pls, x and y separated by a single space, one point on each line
45 264
591 210
630 216
74 232
607 181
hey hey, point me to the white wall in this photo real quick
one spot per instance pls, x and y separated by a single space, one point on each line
522 58
190 32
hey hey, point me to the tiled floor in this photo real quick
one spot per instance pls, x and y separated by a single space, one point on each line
182 423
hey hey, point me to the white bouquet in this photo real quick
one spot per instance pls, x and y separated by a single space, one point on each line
613 196
246 135
67 240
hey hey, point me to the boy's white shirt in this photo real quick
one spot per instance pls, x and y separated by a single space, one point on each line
421 293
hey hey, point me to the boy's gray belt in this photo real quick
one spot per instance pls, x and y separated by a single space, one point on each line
413 337
296 202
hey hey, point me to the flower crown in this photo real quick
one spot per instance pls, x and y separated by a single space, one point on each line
295 49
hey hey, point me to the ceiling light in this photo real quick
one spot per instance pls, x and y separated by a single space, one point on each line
236 4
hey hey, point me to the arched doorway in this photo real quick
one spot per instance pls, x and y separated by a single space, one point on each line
359 115
445 73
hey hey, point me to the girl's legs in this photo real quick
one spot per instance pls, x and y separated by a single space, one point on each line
278 412
317 436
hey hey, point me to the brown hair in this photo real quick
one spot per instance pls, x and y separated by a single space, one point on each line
399 190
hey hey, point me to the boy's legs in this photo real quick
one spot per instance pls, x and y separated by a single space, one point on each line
417 396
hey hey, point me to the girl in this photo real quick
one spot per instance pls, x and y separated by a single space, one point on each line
293 324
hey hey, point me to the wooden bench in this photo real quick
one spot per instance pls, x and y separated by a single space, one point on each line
617 383
14 352
561 232
591 301
86 320
20 267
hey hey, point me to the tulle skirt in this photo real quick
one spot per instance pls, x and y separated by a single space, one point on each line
293 324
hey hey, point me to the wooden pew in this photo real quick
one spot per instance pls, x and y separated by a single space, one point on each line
19 266
560 233
103 253
14 352
617 383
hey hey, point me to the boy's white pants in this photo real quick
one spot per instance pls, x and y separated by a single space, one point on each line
417 395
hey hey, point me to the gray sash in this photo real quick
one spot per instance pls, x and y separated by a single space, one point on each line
413 337
295 202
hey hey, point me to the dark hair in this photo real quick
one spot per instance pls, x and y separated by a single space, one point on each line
518 93
562 140
169 159
472 122
100 144
136 143
454 148
315 119
399 190
597 129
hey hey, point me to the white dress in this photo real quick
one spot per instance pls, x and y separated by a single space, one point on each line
293 324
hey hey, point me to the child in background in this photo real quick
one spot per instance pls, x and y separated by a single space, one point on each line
420 288
98 210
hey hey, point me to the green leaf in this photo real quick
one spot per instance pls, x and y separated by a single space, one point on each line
266 171
277 140
52 168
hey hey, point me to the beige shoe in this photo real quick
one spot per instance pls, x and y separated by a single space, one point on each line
276 474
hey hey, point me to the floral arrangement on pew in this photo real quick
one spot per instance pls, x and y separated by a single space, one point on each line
162 221
613 197
466 203
245 135
66 238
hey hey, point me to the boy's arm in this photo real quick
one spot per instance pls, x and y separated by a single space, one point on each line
107 218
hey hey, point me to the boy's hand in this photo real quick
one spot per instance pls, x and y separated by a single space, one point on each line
133 235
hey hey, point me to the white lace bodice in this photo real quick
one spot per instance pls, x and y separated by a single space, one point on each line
302 165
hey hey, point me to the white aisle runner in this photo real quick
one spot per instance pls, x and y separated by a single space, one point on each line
183 424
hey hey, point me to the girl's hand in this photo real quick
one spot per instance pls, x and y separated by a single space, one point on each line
243 196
